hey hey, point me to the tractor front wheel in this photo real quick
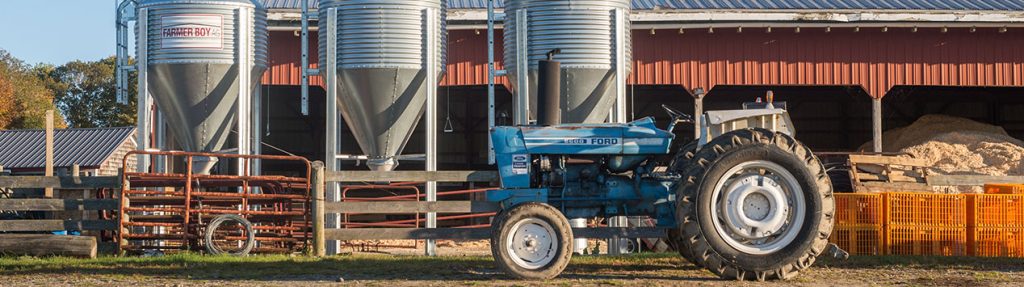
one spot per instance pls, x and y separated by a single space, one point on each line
755 205
532 241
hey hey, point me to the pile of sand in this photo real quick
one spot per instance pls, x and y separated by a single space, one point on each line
955 145
971 153
929 127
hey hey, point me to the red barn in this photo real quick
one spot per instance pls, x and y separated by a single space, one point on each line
828 59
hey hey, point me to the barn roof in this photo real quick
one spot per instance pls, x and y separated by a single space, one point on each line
927 5
85 147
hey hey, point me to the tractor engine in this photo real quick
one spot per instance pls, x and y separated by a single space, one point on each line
587 170
603 186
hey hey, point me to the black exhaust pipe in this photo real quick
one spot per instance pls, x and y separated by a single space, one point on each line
549 86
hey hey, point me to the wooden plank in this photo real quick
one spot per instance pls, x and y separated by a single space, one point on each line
407 233
891 186
959 180
480 233
43 204
405 207
878 159
620 232
48 245
319 191
897 176
60 182
55 225
396 176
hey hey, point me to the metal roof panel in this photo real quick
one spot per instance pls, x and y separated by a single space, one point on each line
935 5
85 147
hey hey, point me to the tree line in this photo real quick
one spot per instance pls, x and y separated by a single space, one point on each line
83 92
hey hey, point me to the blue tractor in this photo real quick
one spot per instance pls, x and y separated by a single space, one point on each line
745 200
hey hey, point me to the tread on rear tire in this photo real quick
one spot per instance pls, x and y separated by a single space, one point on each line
697 220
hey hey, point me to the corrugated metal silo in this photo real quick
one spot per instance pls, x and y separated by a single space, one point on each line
381 68
192 65
588 36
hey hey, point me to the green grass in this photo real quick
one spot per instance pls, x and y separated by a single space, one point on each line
351 267
463 270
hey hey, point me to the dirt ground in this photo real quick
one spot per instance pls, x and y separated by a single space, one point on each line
370 269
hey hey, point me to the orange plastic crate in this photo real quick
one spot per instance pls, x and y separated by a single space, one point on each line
859 210
926 240
860 240
995 210
996 242
1004 188
928 209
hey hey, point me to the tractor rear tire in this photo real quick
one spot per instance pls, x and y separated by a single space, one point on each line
678 165
532 241
755 205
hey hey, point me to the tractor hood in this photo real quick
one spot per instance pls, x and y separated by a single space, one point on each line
637 137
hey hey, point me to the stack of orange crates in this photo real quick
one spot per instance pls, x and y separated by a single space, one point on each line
859 223
996 225
926 224
1004 188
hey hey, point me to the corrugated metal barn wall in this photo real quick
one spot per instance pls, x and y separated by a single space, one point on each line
870 58
467 58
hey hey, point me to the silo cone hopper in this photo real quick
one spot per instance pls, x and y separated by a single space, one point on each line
382 107
381 69
192 66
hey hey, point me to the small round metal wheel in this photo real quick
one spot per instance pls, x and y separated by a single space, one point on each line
229 234
755 205
532 241
760 207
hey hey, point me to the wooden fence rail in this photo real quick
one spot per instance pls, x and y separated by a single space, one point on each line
60 182
48 204
321 208
49 244
398 176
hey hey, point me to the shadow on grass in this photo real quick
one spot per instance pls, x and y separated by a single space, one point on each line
349 267
926 262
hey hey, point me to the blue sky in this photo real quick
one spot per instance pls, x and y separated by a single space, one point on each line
57 31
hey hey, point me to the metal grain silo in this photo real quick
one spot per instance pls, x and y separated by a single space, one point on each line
201 61
380 57
594 38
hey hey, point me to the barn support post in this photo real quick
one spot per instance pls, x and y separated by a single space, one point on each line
618 112
522 93
244 105
142 129
698 111
430 17
330 78
876 123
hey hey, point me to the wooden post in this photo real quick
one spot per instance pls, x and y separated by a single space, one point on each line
876 124
698 112
318 189
49 150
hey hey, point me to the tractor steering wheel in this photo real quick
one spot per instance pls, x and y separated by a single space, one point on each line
677 116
